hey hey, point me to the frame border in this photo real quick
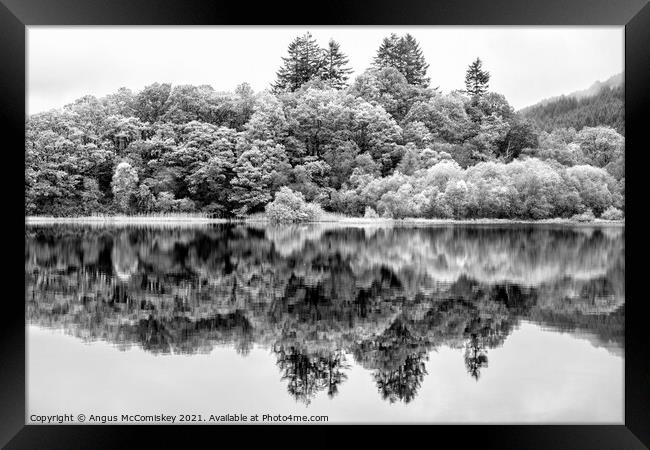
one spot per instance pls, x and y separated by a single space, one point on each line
16 15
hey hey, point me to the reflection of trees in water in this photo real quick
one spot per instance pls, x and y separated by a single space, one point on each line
402 383
306 374
387 296
125 258
475 356
397 359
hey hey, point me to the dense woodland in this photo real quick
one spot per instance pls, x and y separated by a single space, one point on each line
319 295
385 143
606 108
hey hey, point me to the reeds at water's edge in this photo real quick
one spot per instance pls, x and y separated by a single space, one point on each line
185 219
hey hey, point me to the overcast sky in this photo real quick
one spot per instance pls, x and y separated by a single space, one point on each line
527 64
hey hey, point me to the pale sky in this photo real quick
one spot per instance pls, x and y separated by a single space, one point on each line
527 64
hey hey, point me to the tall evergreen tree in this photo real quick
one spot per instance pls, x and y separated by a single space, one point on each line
476 79
334 67
388 53
415 67
404 54
303 63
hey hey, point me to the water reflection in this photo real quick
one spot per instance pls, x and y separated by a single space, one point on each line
322 298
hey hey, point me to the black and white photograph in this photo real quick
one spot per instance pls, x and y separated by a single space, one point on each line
325 225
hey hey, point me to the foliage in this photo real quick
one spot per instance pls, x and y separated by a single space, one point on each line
612 213
260 170
125 181
606 108
385 142
476 79
389 88
587 216
307 61
334 66
404 54
289 206
529 188
370 213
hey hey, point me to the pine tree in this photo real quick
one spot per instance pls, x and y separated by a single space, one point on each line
404 54
476 79
387 54
415 66
303 64
334 67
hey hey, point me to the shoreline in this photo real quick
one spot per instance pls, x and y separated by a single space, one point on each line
189 220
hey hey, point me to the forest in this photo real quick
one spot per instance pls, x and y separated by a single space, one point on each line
384 144
607 108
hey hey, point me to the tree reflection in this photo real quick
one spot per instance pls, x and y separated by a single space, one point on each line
475 356
402 383
387 297
306 375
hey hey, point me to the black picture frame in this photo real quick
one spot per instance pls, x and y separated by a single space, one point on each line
15 15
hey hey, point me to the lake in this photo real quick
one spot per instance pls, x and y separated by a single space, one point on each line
362 324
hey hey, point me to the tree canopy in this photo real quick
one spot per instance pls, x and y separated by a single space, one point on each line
404 54
384 142
307 61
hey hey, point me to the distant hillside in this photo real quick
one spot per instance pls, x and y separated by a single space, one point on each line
603 103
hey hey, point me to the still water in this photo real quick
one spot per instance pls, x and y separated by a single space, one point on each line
363 324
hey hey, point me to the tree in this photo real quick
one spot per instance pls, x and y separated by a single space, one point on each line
415 66
145 198
597 188
150 103
289 206
199 166
304 63
489 104
558 145
268 121
122 102
444 116
187 103
334 66
388 53
325 119
209 183
311 178
521 135
476 79
243 106
404 54
600 145
125 182
390 89
260 170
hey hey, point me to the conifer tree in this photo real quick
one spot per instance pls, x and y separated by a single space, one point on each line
387 54
415 66
476 79
303 64
334 67
404 54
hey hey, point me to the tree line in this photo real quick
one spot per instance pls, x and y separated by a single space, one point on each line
325 137
606 108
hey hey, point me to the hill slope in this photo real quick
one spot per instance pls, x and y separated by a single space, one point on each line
601 104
